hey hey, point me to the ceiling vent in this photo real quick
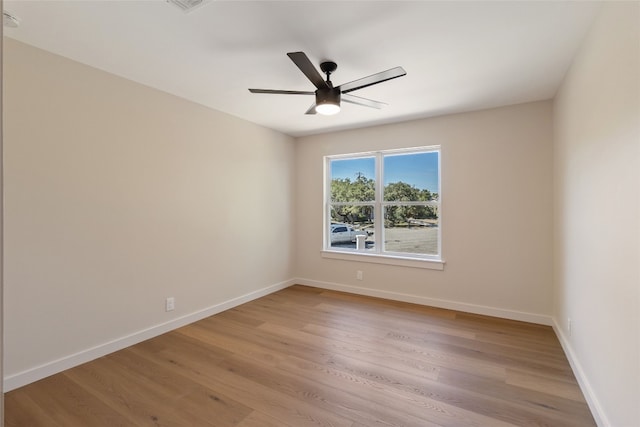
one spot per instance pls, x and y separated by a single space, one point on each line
188 5
9 20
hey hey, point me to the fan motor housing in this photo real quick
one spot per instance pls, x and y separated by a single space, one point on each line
328 96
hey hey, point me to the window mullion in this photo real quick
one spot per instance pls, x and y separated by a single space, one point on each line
327 204
369 203
410 203
379 209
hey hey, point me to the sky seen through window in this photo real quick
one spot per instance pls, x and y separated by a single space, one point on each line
419 170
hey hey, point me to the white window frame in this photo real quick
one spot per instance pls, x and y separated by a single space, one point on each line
376 255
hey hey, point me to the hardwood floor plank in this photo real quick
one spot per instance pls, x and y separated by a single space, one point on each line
270 401
415 396
511 403
337 397
429 357
258 419
129 394
66 403
183 395
554 386
388 305
360 351
490 353
311 357
25 411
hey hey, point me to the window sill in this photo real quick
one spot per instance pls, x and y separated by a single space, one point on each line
431 264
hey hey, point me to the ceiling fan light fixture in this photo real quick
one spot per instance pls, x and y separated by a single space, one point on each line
328 102
327 109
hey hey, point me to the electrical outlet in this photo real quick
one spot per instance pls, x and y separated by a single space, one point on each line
569 326
170 304
359 274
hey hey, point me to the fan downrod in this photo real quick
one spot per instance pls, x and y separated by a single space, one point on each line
328 67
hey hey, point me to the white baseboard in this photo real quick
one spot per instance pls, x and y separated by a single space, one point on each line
433 302
589 394
28 376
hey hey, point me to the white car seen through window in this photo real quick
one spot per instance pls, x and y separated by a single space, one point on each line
343 233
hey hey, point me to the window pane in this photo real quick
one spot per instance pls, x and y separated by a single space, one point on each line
412 229
411 177
408 215
353 180
349 221
352 214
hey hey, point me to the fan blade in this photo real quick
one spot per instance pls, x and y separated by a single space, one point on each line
302 62
282 92
372 79
312 109
362 101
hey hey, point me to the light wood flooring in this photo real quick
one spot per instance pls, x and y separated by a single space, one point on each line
310 357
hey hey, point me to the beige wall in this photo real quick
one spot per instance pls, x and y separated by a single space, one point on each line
118 196
597 214
496 212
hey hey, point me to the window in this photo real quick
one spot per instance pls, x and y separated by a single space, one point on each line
384 203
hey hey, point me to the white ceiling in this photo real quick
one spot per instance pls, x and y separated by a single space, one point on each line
459 56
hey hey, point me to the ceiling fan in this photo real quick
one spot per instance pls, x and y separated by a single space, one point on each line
328 97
